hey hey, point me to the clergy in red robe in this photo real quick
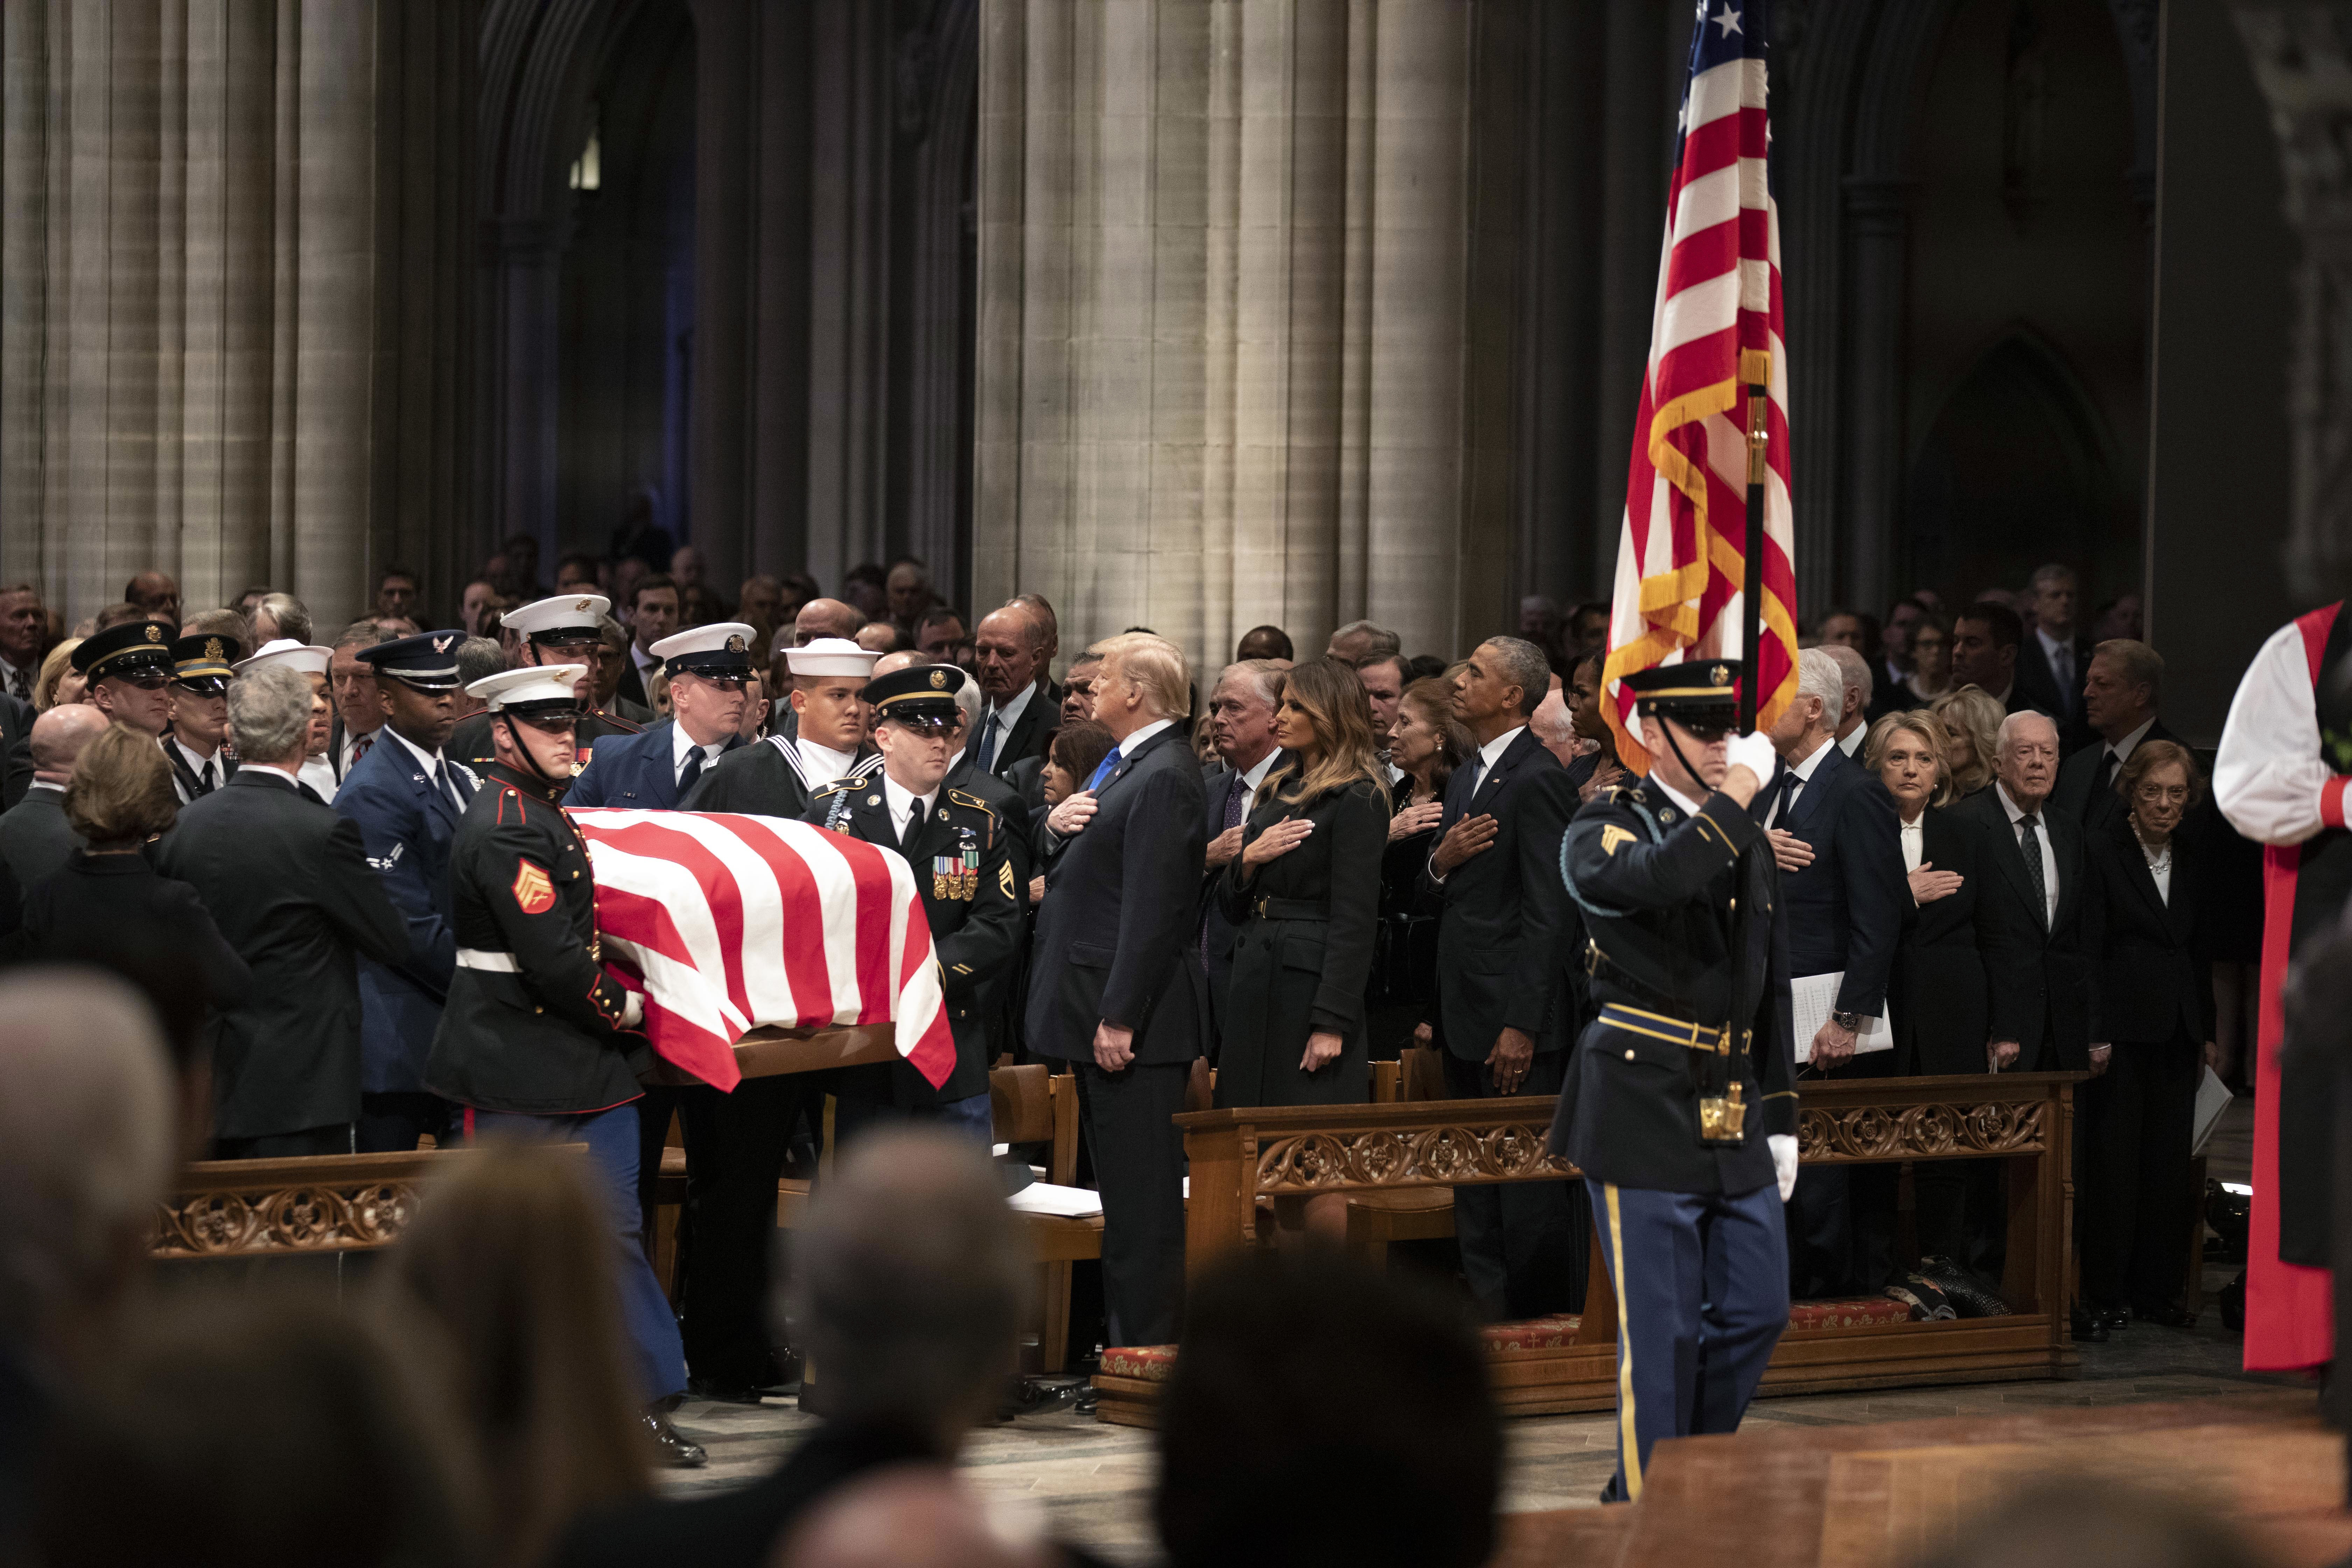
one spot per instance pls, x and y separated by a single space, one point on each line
2280 778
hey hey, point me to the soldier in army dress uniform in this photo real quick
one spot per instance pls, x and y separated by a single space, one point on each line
566 628
536 1040
961 854
1680 1105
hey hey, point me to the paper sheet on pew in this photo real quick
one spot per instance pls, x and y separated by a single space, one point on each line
732 923
1070 1203
1811 999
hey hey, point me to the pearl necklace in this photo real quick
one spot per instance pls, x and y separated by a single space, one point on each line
2160 857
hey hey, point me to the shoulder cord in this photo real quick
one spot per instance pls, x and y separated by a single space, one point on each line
1569 877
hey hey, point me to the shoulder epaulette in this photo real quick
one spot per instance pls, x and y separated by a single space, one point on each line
1609 793
836 787
961 798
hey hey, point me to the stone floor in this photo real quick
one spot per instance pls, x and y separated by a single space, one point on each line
1092 1483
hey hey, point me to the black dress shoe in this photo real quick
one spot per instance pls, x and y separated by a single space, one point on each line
672 1450
2164 1315
2087 1329
2115 1320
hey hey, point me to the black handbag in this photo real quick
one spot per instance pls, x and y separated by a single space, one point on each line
1404 960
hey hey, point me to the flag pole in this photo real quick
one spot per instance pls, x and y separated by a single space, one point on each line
1751 570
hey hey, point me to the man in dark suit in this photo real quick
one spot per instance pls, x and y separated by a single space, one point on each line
1241 719
2051 662
1834 834
653 613
17 765
1985 636
2032 906
288 883
34 836
407 796
2119 698
708 667
1114 990
1504 1012
1010 651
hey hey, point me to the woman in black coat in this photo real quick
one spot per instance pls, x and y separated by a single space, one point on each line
2152 1036
1426 744
108 908
1939 999
1304 895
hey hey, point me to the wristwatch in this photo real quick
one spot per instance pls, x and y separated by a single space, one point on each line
1850 1022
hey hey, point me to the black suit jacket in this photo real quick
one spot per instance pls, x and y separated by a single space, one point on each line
1033 731
16 749
34 836
2155 980
1845 909
114 912
2076 792
2044 978
1116 932
288 884
1502 930
2037 686
1943 1005
1217 929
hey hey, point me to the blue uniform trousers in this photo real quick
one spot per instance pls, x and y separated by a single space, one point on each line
1702 1296
612 1139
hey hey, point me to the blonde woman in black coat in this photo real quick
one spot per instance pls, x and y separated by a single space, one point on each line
1304 895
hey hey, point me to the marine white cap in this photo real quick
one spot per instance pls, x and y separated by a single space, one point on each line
285 653
832 655
533 683
720 644
564 612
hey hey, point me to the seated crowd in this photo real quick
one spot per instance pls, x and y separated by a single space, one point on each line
1983 827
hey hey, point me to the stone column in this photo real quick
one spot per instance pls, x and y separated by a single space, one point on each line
1230 283
188 337
1878 262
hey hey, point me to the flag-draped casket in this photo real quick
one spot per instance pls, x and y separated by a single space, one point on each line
731 924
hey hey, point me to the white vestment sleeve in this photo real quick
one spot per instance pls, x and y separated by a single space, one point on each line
2268 777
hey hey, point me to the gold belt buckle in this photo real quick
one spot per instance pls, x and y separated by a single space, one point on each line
1722 1118
1261 909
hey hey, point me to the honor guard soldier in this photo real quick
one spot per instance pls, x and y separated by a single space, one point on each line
407 798
960 852
129 670
709 668
195 745
824 741
1680 1106
534 1041
561 630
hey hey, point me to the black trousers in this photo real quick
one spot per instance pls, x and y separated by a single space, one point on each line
310 1140
2133 1217
1523 1243
736 1146
393 1123
1140 1172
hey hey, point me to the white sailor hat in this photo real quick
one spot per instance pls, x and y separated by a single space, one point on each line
542 619
285 653
533 687
832 655
722 648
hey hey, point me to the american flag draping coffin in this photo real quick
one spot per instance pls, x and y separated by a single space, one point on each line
734 923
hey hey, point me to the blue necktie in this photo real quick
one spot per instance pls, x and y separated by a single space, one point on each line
988 742
1103 772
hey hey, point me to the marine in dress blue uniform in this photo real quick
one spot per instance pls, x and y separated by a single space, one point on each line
537 1041
407 796
1680 1104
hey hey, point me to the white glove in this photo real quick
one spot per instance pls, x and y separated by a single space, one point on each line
632 1011
1753 750
1784 1161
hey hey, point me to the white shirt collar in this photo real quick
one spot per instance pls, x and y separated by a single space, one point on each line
823 762
318 776
901 802
1492 752
428 760
196 758
43 784
352 738
645 662
1853 743
2052 647
1806 769
680 743
1134 743
2124 748
1255 775
2016 812
1690 807
1010 713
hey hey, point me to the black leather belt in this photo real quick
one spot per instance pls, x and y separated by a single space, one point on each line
1291 910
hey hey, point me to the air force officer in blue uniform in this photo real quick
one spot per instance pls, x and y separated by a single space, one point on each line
407 796
1680 1104
653 770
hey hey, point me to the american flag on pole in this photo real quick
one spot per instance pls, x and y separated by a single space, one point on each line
1715 330
739 922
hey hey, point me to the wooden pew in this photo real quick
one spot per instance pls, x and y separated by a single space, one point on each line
309 1206
1240 1158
